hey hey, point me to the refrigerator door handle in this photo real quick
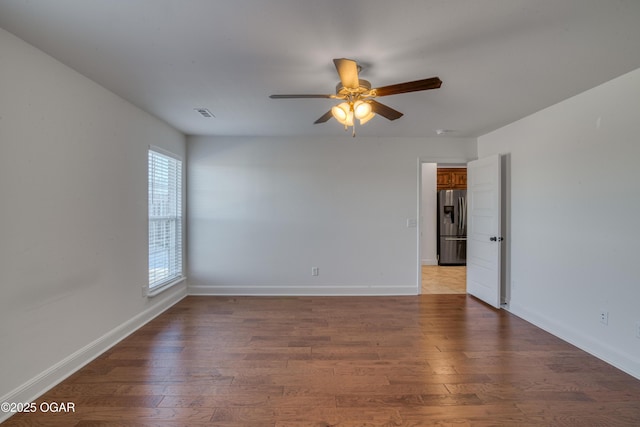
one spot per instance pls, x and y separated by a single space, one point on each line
464 213
461 214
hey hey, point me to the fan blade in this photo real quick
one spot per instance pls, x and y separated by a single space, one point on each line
324 118
385 111
348 72
299 96
418 85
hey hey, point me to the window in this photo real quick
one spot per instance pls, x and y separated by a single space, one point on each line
165 219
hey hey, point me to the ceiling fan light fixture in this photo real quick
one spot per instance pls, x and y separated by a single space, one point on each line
349 121
368 117
342 113
361 109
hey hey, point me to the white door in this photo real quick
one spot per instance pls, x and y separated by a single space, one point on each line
483 229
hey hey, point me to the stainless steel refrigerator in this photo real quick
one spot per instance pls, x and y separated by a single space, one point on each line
452 227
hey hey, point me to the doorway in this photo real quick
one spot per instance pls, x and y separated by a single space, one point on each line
434 278
448 279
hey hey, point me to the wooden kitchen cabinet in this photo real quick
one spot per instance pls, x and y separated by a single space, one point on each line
444 179
452 178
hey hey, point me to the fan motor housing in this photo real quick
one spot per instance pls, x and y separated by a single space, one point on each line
364 87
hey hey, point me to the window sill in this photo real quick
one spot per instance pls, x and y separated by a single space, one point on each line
160 289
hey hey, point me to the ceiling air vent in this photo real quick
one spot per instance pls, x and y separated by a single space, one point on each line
205 113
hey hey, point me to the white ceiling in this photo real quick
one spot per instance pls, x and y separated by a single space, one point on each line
499 60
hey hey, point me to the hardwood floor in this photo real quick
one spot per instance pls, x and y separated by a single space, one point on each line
430 360
438 279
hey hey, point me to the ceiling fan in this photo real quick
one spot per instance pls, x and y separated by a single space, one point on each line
359 98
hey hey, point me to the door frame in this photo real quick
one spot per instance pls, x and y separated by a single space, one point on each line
444 161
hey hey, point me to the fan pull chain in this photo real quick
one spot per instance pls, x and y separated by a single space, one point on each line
353 130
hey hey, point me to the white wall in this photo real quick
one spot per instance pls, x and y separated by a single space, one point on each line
574 202
73 228
429 214
264 211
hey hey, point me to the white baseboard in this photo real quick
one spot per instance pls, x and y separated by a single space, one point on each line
429 261
621 360
303 290
41 383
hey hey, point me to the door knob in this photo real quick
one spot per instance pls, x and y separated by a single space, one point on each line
493 239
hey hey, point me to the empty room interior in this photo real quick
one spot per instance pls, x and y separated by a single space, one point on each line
329 213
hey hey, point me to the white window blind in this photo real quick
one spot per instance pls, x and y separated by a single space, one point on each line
165 219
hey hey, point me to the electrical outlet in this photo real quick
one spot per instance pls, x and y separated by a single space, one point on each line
315 271
604 317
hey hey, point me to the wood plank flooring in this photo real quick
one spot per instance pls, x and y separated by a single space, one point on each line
437 279
429 360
